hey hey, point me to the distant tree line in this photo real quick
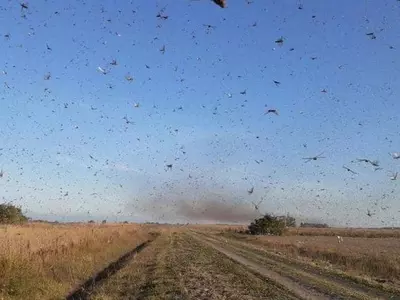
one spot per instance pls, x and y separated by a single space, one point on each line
314 225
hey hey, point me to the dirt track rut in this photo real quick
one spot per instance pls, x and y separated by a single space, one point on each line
306 283
188 265
178 266
298 290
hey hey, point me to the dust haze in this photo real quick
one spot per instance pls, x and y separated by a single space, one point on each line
216 206
216 211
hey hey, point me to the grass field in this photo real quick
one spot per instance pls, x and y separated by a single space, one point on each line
346 232
44 261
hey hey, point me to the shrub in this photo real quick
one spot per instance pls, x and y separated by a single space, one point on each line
267 225
290 221
11 214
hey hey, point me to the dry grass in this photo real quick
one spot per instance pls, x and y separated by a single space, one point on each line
308 231
346 232
43 261
374 257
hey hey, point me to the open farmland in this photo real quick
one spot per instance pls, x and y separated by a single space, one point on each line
43 261
346 232
80 261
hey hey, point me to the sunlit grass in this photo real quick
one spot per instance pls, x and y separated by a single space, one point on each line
43 261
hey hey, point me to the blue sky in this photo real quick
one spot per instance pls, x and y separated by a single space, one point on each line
192 113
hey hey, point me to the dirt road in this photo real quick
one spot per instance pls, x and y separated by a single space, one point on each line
305 281
184 264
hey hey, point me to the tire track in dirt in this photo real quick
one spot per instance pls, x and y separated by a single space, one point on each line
161 280
295 288
142 278
177 266
84 291
323 280
209 275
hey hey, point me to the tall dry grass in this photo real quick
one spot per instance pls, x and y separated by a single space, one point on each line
346 232
44 261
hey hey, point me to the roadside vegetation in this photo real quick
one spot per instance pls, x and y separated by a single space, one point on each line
371 253
267 225
45 261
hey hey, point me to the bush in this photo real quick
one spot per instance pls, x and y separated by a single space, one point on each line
290 221
267 225
11 214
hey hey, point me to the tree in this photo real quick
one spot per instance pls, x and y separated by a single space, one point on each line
290 221
104 222
91 222
267 225
11 214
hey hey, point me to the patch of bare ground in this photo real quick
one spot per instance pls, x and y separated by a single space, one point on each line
177 266
315 278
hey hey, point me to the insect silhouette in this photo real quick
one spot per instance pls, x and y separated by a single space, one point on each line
161 16
1 173
127 121
395 155
24 6
371 35
162 50
209 26
349 170
279 41
250 191
272 111
220 3
91 157
101 70
375 163
128 77
314 157
257 206
277 83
